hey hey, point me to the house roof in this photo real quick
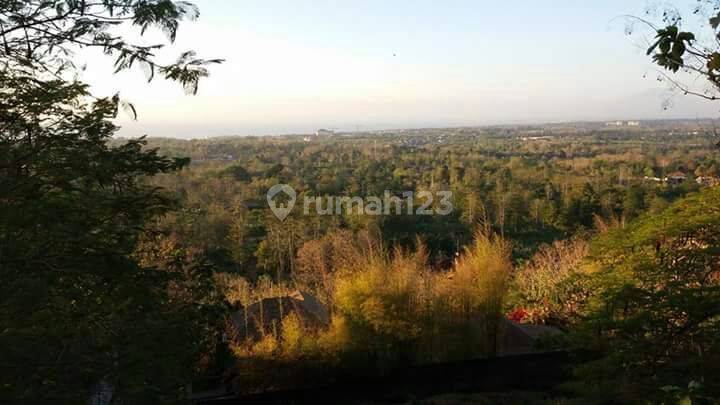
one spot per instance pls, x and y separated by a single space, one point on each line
523 337
677 174
266 316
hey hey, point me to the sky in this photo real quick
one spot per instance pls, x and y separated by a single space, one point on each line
293 66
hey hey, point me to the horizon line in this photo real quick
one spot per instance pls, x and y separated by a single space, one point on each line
386 129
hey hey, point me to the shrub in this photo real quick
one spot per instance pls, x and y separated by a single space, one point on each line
552 286
381 302
654 316
398 310
474 292
318 260
391 310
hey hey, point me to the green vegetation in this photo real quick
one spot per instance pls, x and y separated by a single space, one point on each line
389 310
531 192
655 305
78 308
571 191
144 265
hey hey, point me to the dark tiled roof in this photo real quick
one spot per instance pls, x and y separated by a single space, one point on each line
266 316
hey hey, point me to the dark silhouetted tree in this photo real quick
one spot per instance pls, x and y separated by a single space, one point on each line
77 307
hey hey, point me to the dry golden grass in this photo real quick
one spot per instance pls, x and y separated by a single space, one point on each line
392 307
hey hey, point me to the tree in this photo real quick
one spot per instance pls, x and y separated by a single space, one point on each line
633 202
238 173
655 311
77 306
319 259
653 317
40 36
676 50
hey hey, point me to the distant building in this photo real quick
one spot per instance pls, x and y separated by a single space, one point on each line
622 123
676 177
324 132
254 321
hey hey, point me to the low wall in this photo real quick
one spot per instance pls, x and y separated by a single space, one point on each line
526 372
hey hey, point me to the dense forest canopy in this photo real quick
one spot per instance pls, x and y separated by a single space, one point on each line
530 190
556 195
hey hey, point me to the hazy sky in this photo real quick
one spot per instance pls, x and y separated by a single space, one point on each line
294 66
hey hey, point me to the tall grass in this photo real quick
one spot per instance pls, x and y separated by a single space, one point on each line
390 309
476 289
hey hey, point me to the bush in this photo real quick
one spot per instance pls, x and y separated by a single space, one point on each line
654 316
382 303
391 310
552 286
471 297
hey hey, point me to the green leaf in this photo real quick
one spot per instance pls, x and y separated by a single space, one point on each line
665 45
714 62
678 50
686 36
715 21
653 46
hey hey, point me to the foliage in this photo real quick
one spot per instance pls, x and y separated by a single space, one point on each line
690 52
475 291
553 286
399 311
380 300
319 260
655 314
39 37
390 310
84 300
532 192
76 308
671 46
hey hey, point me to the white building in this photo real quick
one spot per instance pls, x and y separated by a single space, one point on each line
324 132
